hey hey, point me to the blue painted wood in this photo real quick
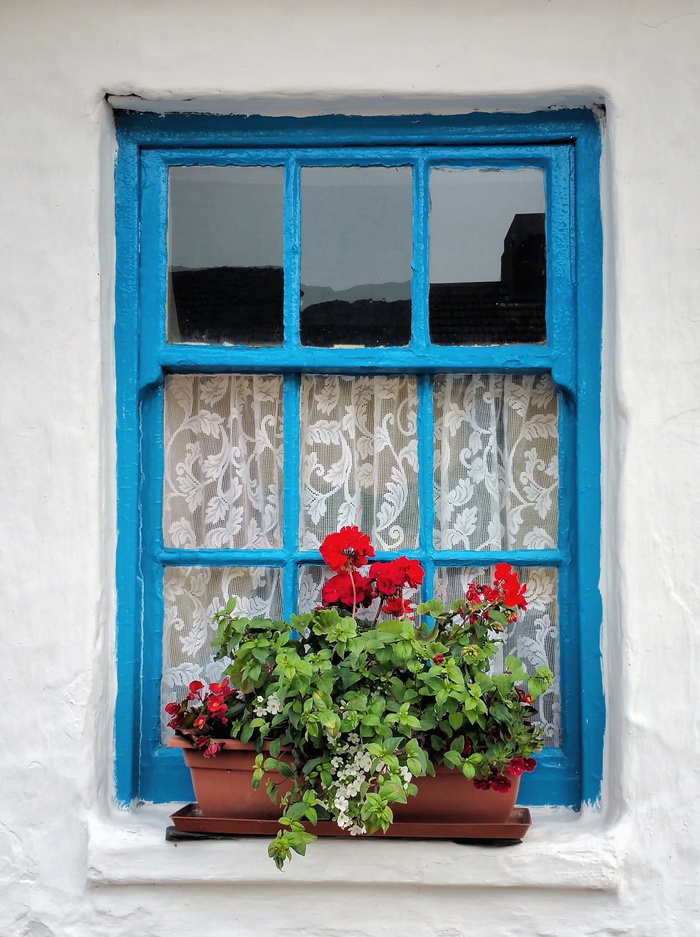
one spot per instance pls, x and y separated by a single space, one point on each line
213 359
128 581
566 145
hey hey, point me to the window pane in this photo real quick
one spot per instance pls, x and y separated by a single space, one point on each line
356 255
225 255
487 256
192 595
359 459
496 478
223 461
534 639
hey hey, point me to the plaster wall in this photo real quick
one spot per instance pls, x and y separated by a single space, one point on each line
70 863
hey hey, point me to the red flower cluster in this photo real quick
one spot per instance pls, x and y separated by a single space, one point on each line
349 590
513 592
494 782
194 717
349 549
518 766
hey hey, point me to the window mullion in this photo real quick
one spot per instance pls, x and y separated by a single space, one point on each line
291 481
420 335
292 254
426 500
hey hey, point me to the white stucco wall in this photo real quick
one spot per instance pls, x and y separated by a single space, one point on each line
70 864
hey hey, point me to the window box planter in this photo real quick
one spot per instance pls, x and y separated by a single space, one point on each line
446 806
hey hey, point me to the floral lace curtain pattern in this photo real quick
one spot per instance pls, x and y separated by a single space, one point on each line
223 461
495 485
496 462
359 463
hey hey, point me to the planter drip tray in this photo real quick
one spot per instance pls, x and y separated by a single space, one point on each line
190 823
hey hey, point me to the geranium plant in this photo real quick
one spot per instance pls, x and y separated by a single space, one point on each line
368 692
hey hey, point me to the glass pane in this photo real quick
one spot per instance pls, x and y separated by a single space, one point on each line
225 281
356 256
496 479
534 639
359 463
312 580
487 257
223 461
192 594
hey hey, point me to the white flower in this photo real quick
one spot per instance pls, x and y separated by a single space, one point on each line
357 830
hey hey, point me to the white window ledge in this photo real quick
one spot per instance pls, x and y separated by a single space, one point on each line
561 850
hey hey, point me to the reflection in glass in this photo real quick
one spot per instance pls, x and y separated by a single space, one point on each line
534 638
225 281
356 256
487 256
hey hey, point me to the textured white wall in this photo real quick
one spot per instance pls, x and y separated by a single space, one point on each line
631 869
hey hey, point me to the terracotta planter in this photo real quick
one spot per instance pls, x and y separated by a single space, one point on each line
222 784
450 798
223 789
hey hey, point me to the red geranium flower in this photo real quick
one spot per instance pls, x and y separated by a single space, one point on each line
389 577
398 607
347 549
339 590
514 592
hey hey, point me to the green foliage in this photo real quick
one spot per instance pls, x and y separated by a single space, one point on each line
351 711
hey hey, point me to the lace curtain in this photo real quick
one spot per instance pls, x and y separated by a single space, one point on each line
359 461
495 485
223 461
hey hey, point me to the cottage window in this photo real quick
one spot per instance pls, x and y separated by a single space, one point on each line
391 324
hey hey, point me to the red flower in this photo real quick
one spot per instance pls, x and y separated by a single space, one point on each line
196 686
530 764
212 749
339 590
200 722
347 549
482 784
398 607
517 766
514 592
413 572
222 689
439 658
389 577
500 783
173 709
216 706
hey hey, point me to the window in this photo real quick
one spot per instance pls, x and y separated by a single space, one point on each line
391 323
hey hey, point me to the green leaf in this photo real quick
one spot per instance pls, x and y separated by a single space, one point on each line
433 608
454 759
296 811
456 719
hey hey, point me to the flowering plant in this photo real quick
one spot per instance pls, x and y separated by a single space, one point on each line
363 706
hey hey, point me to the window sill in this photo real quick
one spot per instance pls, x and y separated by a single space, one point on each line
562 850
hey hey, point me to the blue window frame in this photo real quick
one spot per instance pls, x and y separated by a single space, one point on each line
565 146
